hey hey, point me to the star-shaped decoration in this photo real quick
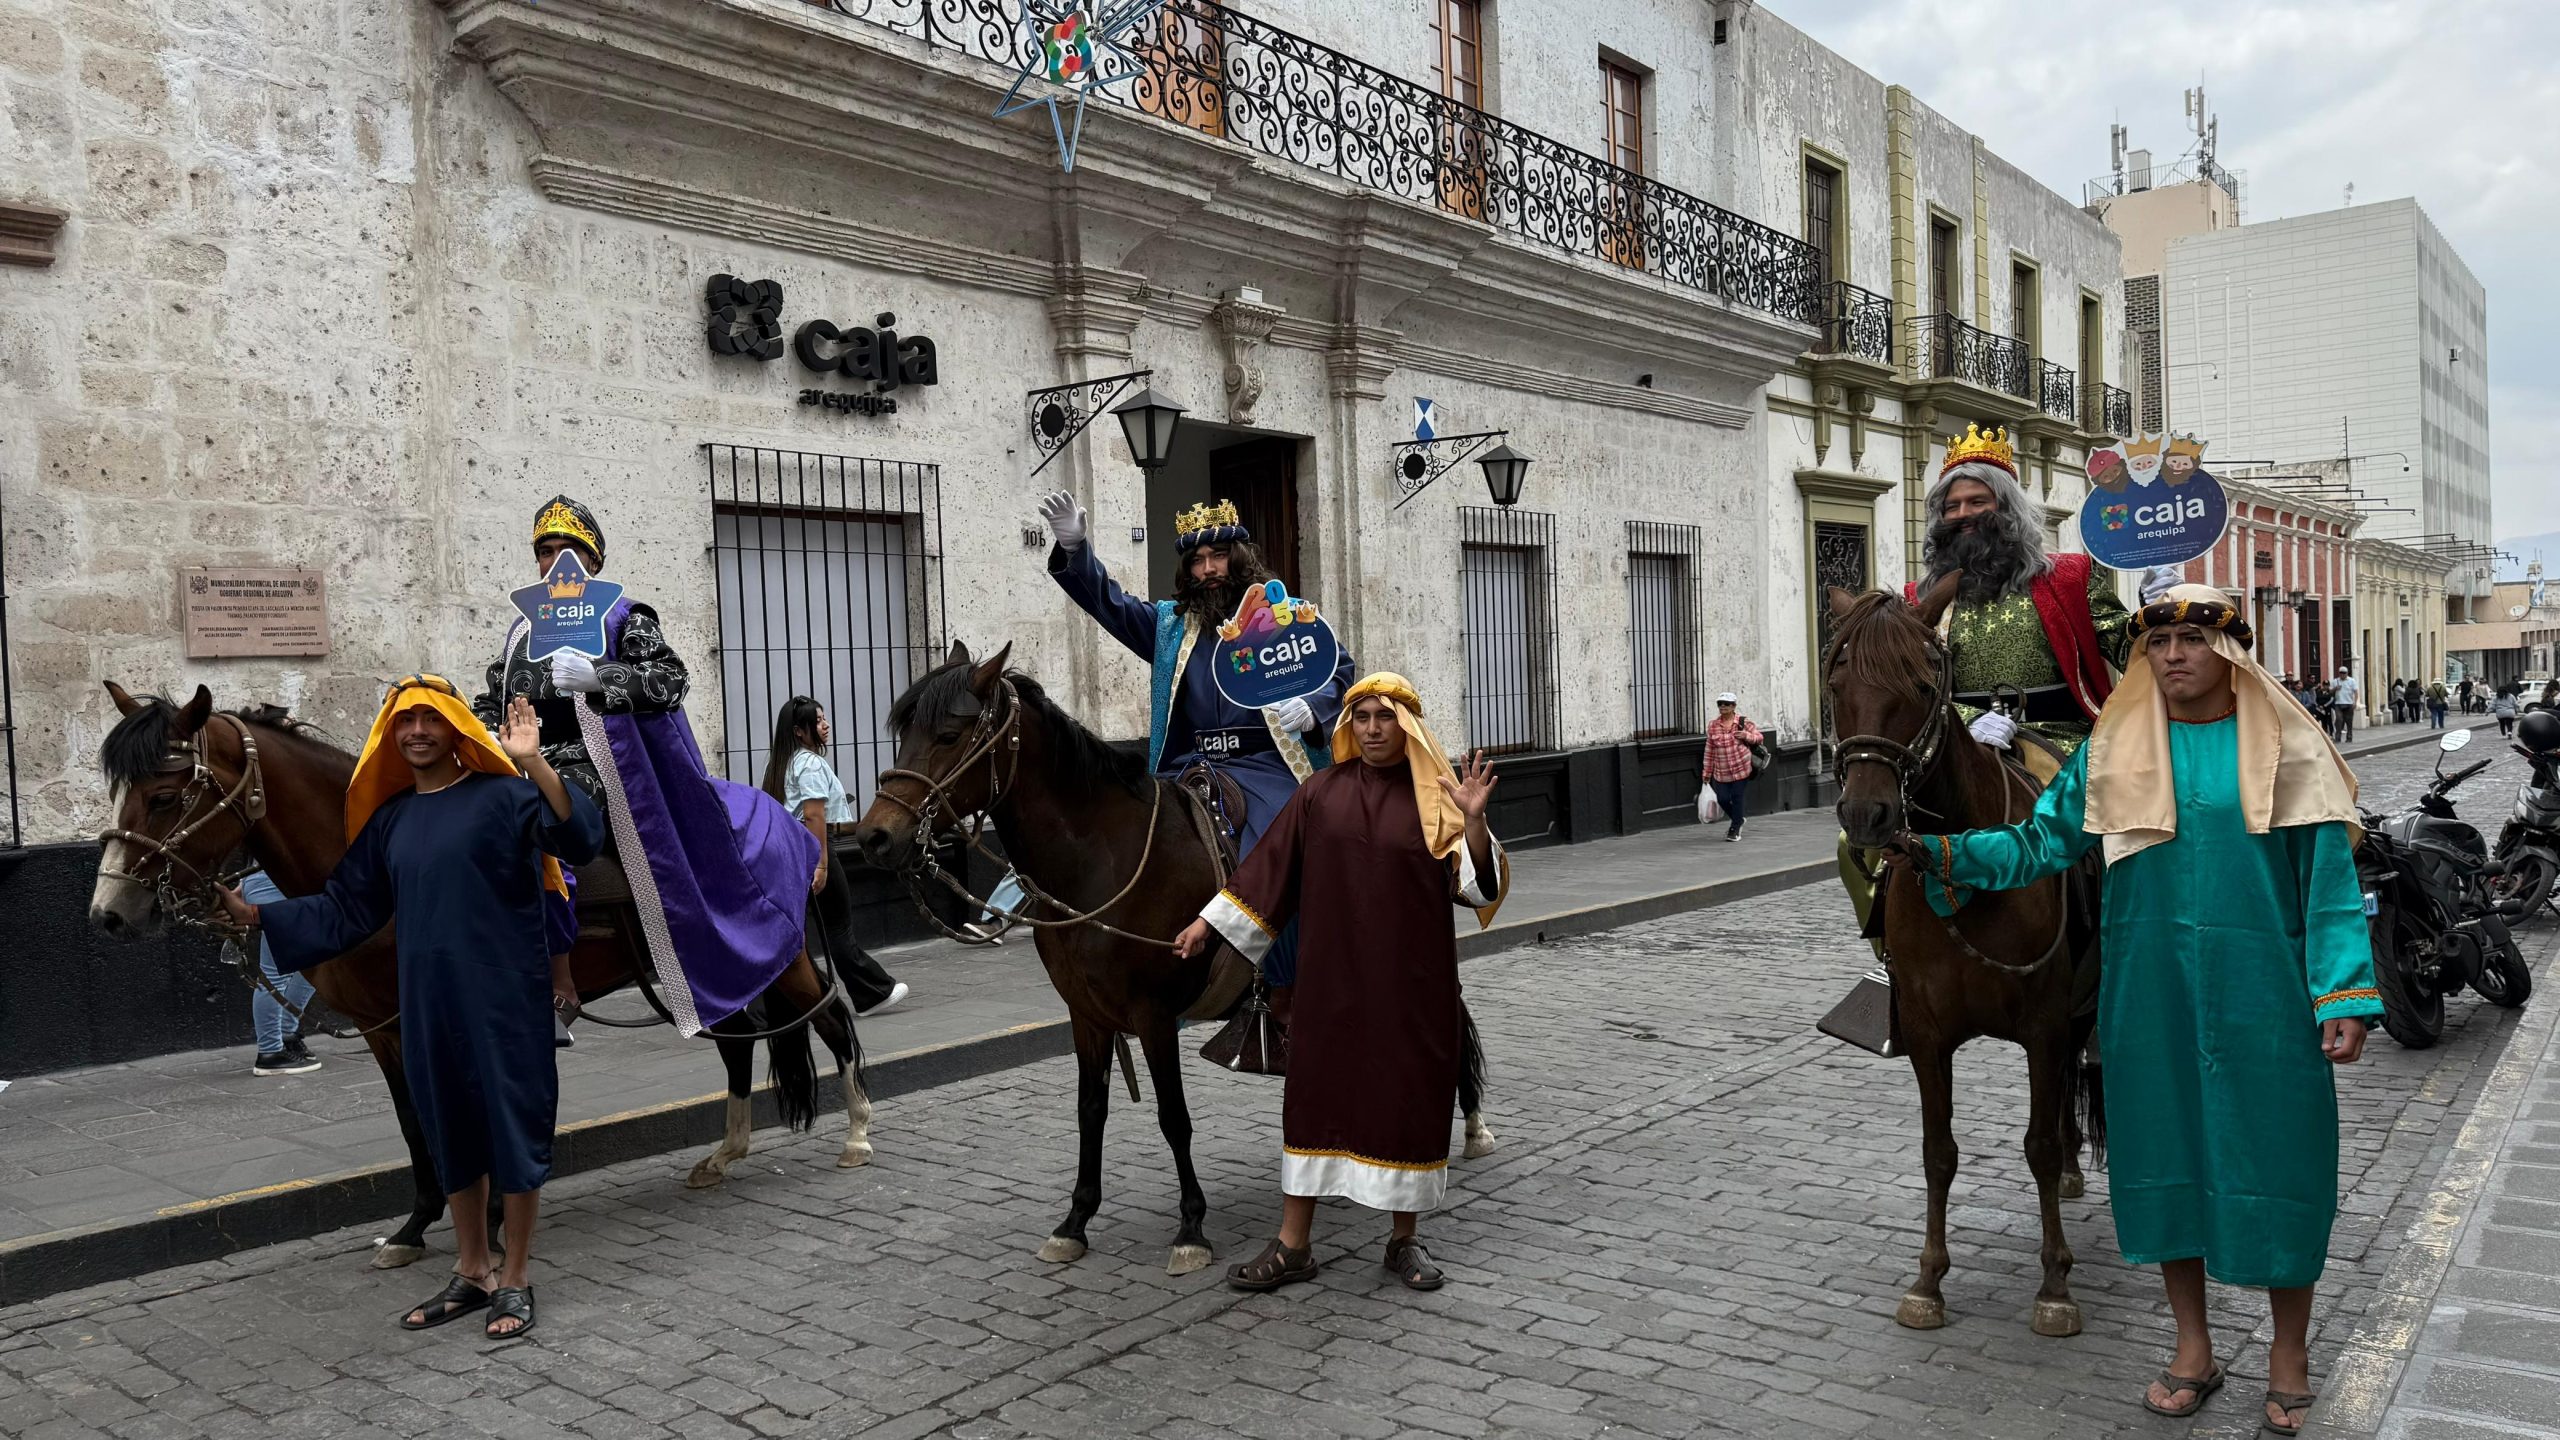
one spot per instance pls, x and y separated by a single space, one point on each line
1075 52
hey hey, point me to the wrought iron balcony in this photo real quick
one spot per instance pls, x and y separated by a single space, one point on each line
1946 348
2058 390
1251 83
1855 322
2109 411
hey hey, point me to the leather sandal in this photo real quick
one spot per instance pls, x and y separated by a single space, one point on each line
2174 1382
1276 1266
510 1302
2288 1401
1410 1263
460 1296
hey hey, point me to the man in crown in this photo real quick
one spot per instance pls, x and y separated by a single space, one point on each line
720 872
1266 752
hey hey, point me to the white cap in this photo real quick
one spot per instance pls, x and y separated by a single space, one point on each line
1728 698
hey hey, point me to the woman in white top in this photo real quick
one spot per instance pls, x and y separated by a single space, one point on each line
799 776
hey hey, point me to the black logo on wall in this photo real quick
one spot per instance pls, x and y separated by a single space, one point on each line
746 319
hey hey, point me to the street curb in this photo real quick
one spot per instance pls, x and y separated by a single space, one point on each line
36 1266
2423 737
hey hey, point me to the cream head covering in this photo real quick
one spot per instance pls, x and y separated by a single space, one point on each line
2289 772
381 772
1444 826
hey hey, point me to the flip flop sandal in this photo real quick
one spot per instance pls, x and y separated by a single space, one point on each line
510 1302
459 1297
1410 1263
2287 1401
2174 1382
1276 1266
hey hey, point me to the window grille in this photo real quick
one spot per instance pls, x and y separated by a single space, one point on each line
1839 559
1508 576
1662 628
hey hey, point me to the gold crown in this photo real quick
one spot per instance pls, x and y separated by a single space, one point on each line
2187 445
566 589
1990 446
559 519
2147 445
1206 517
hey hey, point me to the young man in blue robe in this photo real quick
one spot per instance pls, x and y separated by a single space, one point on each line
2238 972
455 836
1269 753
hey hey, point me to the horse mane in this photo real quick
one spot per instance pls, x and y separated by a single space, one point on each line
1086 759
1893 653
135 749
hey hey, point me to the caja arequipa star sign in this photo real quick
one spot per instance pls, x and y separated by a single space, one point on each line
1075 52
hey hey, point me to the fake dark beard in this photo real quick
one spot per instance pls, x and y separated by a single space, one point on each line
1212 600
1984 555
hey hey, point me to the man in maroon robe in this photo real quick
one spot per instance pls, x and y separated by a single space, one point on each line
1367 859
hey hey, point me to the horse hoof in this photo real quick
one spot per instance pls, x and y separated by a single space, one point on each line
1921 1312
1480 1144
2072 1186
706 1175
1058 1249
387 1256
2057 1318
1187 1258
854 1155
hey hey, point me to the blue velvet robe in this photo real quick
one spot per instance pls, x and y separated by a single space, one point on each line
458 873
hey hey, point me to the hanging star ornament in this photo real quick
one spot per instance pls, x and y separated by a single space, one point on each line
1075 52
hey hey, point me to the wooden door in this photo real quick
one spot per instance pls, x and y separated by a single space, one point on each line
1261 477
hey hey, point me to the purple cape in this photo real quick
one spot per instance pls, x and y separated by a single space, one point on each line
718 871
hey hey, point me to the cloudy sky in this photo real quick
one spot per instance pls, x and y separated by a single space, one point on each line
2451 101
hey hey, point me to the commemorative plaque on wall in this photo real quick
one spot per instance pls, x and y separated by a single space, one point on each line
253 612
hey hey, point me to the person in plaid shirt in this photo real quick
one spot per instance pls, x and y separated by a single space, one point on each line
1730 740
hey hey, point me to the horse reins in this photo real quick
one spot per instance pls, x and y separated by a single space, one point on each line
1913 764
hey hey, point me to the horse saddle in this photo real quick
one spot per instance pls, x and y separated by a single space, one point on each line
603 893
1221 800
1216 806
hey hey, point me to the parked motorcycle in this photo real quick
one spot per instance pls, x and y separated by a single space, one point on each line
2427 906
2528 849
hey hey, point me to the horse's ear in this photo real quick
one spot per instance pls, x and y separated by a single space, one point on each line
959 654
191 716
1842 602
1933 606
992 671
125 703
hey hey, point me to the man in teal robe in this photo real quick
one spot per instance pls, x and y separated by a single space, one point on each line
2238 972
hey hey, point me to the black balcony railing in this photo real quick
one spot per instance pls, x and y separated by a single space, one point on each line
2058 390
1946 348
2108 410
1855 322
1246 81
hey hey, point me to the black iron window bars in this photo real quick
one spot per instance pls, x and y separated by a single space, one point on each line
1662 628
1507 575
1946 348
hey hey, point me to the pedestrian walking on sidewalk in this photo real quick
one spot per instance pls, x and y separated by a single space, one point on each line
2239 974
1367 856
2503 705
2437 698
458 835
1736 751
280 1049
799 776
2342 706
2465 690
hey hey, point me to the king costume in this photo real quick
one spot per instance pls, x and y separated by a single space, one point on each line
1367 860
719 872
462 874
2234 926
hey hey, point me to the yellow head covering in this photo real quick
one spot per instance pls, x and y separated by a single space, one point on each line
1444 826
2289 772
381 772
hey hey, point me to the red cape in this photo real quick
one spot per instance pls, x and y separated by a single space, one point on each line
2061 597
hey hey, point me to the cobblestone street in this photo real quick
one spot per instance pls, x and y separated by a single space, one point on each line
1698 1222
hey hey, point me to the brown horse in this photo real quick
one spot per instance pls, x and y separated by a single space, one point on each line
1088 826
193 786
2003 966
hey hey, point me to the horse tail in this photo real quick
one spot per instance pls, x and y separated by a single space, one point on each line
1470 1063
795 1077
2088 1082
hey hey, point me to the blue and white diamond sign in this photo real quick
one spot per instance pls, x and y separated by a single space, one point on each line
1426 423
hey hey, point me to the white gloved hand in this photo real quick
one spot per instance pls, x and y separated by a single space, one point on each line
1296 717
1065 517
2159 580
1994 730
573 673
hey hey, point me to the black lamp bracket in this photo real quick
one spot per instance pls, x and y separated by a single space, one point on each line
1419 462
1059 414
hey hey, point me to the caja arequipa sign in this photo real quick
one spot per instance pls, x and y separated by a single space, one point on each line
2151 503
744 317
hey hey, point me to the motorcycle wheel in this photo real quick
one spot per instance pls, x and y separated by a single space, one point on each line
2411 1013
2519 894
2504 979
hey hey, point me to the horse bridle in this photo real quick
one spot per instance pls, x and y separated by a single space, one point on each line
984 737
245 801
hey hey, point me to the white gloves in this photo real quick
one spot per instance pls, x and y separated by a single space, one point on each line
573 673
1994 730
1065 517
1295 716
2159 580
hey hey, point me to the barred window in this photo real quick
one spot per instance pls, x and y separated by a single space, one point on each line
1508 611
1662 628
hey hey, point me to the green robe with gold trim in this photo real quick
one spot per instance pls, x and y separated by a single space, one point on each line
2002 643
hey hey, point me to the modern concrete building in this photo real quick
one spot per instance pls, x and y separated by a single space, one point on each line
2146 216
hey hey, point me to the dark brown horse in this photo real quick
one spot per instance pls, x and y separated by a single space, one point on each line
2003 967
193 786
1091 828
